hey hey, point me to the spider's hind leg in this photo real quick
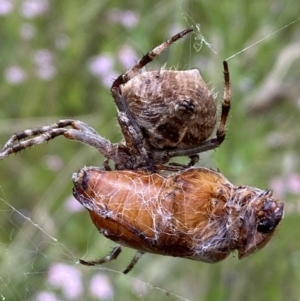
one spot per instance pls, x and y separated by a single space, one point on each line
216 141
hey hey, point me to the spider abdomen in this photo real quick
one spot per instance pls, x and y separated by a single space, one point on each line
174 109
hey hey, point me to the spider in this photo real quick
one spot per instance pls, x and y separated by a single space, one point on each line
162 114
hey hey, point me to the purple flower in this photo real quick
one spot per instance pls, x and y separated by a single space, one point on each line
43 57
288 184
101 288
15 75
46 72
294 183
127 18
67 278
46 296
6 7
127 57
102 66
44 61
34 8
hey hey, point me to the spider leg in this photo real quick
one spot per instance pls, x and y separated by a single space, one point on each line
220 134
193 160
133 141
106 165
87 135
111 256
36 132
34 136
204 147
130 130
124 115
147 58
79 131
225 105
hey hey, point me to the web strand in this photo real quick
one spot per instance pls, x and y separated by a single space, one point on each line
262 39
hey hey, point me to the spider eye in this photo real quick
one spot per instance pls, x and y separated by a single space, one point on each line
266 226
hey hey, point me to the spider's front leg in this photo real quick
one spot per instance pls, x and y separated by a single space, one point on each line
132 133
71 129
27 138
147 58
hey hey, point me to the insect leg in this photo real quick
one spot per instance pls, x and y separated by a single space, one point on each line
133 262
111 256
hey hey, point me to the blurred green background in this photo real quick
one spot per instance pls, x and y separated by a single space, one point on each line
58 59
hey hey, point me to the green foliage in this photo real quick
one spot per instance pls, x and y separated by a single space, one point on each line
53 52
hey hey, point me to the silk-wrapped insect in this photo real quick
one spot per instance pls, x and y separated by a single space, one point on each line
195 213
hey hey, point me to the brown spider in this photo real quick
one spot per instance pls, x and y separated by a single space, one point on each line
162 114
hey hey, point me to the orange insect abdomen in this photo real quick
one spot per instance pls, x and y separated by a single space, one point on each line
196 213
